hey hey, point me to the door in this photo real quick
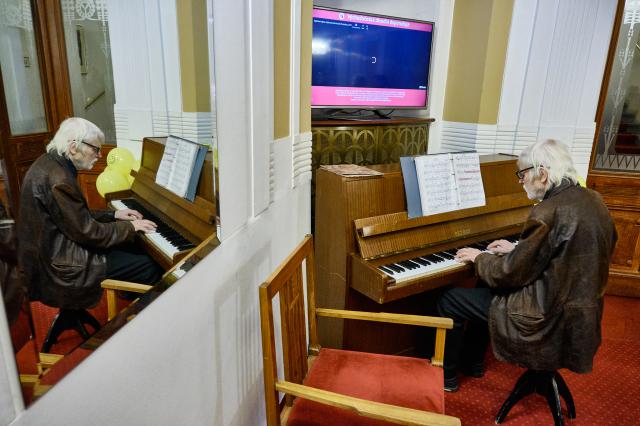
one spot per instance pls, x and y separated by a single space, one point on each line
34 86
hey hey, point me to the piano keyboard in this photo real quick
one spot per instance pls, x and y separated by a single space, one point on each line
432 263
166 239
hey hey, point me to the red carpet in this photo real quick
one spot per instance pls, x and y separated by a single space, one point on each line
610 395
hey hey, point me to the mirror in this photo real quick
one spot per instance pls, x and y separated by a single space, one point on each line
94 83
618 145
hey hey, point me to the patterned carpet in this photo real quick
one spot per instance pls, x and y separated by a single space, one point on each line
610 395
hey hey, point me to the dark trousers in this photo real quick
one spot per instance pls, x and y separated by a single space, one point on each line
468 306
132 263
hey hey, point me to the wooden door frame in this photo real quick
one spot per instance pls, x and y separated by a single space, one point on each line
48 29
613 43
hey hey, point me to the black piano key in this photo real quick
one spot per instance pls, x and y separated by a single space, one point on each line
434 258
168 232
414 265
421 261
409 264
386 270
394 267
424 258
445 255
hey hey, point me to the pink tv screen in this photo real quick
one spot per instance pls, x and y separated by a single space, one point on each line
369 61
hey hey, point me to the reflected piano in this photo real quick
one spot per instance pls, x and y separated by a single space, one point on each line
182 224
371 256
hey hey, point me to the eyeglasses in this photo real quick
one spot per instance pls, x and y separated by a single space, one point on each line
96 149
521 173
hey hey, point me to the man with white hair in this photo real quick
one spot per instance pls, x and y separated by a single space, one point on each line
542 298
65 249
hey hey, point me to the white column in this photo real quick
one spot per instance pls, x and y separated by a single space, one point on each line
146 73
553 70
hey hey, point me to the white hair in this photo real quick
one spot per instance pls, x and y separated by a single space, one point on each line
553 156
74 130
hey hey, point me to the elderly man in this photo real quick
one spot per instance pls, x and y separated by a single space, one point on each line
542 298
64 248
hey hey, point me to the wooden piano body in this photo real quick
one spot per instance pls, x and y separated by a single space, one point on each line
195 221
361 223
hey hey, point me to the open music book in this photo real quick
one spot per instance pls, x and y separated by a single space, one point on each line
180 166
439 183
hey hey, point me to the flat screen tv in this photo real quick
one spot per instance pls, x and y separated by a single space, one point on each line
369 61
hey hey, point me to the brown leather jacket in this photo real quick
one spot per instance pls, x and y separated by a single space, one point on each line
61 243
549 290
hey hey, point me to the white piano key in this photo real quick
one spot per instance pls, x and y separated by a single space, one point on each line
118 205
433 268
426 270
158 241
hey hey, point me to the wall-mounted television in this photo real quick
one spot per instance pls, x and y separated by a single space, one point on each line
361 60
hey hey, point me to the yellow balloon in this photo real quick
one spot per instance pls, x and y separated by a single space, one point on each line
120 160
582 182
136 165
130 179
110 181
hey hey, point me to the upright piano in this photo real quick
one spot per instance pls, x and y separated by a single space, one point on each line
371 256
182 224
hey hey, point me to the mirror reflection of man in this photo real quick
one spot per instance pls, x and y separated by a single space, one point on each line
65 249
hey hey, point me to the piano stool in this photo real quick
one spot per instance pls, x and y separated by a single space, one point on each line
69 319
549 384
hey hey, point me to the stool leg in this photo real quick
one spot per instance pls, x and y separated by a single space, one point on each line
68 319
57 327
553 399
85 317
565 393
525 385
79 328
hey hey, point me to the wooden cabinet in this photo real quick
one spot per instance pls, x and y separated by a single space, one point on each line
368 142
621 194
87 181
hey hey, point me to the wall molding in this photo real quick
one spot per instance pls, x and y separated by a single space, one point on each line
491 138
132 125
302 158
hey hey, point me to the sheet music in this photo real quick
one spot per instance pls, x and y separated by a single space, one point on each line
165 169
436 183
176 170
449 182
466 167
183 167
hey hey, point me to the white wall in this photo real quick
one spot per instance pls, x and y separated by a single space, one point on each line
146 75
194 356
554 66
10 394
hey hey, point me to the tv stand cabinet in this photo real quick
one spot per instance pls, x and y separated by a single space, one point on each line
376 141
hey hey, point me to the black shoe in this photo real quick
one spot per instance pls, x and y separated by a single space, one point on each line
474 370
451 384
